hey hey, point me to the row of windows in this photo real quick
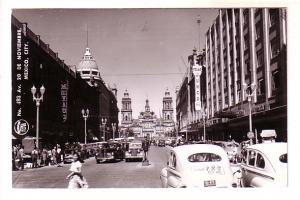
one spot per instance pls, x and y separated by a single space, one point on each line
90 72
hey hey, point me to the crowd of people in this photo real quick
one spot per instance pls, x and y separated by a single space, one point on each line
45 156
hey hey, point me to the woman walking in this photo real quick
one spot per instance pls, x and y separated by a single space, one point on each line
76 179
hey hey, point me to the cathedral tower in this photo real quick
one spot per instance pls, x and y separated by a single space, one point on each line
167 107
126 110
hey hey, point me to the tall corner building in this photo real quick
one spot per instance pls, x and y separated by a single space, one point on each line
244 47
245 54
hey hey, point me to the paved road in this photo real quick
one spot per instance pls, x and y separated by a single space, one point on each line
106 175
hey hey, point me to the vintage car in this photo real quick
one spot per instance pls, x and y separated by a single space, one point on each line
104 153
197 165
117 149
232 149
161 143
264 165
135 151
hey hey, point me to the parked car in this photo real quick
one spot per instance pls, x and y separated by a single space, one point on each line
161 143
264 165
197 165
135 151
232 149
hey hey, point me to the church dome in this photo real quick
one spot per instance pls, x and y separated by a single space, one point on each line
87 62
87 67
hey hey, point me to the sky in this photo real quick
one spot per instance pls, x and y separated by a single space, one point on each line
142 50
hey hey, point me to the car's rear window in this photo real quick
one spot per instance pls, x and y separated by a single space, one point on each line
204 157
283 158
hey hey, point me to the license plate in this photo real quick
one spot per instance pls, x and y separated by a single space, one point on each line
209 183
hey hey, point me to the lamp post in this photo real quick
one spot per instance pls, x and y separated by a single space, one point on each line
114 125
85 115
249 98
37 98
104 121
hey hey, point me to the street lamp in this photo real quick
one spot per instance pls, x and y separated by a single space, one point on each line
85 115
203 112
104 121
114 125
249 98
37 98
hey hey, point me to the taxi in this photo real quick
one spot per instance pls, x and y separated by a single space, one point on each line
197 165
264 165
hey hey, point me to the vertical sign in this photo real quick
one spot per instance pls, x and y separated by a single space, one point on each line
64 86
197 70
20 78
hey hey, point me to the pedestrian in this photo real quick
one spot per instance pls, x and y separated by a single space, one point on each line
34 157
58 156
54 155
20 159
44 157
145 146
76 179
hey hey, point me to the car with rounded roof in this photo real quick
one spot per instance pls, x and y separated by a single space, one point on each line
197 165
264 165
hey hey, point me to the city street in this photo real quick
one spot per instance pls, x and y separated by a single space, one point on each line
106 175
118 174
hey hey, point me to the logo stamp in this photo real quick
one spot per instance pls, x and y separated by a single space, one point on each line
21 127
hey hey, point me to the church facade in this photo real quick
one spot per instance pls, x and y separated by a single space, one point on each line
147 123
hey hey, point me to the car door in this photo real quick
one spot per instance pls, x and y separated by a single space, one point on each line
173 176
263 172
247 165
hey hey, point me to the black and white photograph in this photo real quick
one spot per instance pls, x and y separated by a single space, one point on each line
151 97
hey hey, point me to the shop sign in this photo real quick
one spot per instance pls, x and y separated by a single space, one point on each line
64 100
197 70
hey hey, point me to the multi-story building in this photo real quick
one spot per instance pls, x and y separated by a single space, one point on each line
66 92
244 47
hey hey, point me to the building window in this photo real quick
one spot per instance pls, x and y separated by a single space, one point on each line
275 79
274 48
257 32
260 59
239 95
246 44
261 86
85 72
273 17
